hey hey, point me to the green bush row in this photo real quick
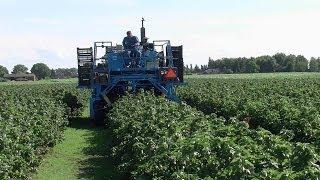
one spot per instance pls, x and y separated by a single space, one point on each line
32 119
158 139
284 106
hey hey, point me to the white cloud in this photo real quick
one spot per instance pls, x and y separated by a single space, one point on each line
296 33
45 21
30 49
223 36
119 2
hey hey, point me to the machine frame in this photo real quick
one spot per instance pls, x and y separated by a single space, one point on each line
112 78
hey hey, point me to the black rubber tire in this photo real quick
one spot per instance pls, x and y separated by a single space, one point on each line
99 114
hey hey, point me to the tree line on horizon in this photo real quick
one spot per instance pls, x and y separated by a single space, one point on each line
279 62
41 71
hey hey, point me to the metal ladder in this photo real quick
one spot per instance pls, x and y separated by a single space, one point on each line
85 63
177 55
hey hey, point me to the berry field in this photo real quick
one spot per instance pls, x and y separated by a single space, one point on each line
263 126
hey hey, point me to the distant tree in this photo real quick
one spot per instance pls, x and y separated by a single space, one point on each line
197 69
191 68
242 64
235 65
290 63
41 70
3 71
211 63
53 74
314 65
251 66
73 72
281 62
19 68
187 70
64 73
266 64
227 63
301 64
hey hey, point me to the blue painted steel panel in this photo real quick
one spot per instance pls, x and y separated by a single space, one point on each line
115 61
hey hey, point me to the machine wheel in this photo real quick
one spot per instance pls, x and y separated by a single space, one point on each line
157 92
99 113
99 118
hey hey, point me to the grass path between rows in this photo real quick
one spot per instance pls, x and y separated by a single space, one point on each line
82 154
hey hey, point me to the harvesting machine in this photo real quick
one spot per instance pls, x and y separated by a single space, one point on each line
157 67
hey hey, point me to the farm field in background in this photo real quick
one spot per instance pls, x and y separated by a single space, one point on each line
43 81
287 104
229 125
285 75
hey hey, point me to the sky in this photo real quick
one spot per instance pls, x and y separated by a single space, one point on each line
50 31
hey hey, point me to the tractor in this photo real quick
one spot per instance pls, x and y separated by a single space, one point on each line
110 71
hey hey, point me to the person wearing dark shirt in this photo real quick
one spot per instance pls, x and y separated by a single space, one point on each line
131 45
130 41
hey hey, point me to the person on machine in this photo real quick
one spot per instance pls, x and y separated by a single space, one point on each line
131 44
145 43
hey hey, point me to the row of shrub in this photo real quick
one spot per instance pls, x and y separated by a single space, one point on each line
157 139
288 106
32 119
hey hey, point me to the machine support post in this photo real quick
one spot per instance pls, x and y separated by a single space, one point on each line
142 30
169 52
104 95
91 108
171 94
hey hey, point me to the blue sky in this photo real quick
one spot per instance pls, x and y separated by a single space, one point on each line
50 31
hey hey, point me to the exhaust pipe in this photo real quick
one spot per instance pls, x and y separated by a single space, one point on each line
142 30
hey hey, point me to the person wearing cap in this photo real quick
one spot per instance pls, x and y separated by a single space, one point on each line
145 44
